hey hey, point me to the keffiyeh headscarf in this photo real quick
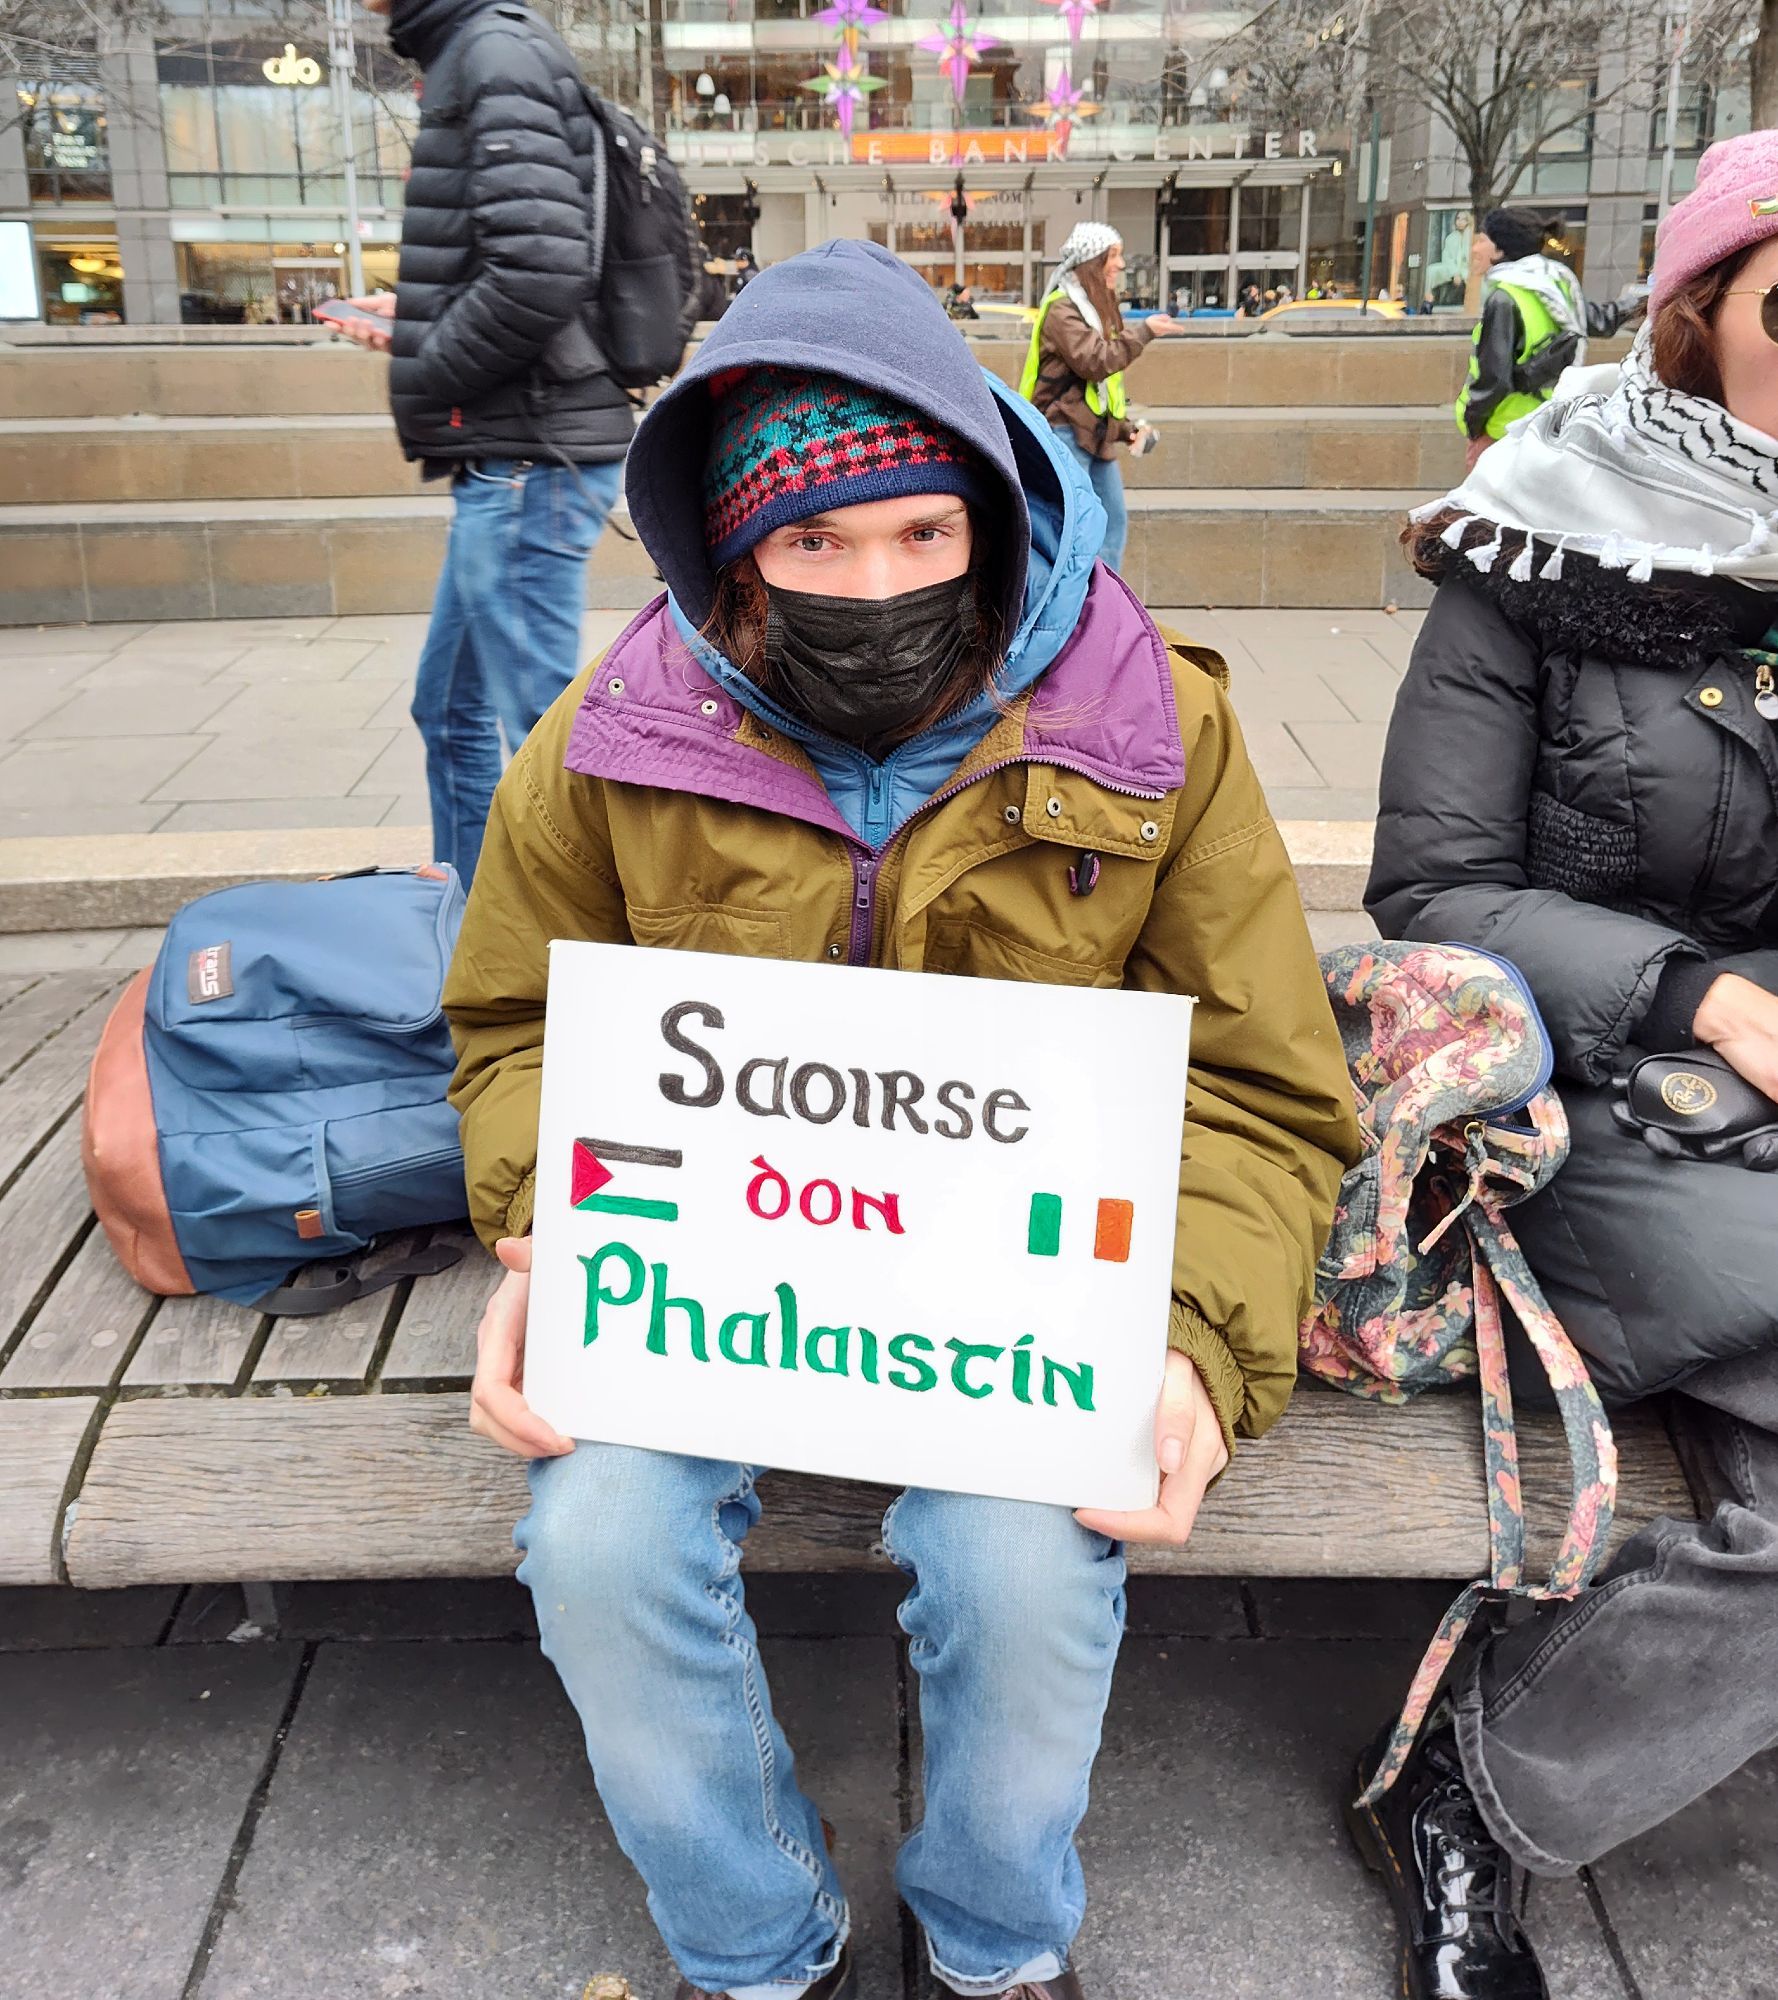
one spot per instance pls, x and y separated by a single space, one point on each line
1621 468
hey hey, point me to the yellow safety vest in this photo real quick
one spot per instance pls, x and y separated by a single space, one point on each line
1104 399
1536 325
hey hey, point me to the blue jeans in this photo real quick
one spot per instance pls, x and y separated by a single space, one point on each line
632 1558
1108 483
505 634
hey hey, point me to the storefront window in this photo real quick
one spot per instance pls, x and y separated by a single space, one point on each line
235 136
65 150
1450 234
271 284
82 280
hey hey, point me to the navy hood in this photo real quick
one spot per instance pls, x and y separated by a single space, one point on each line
847 309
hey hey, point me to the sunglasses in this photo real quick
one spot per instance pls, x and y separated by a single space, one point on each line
1768 305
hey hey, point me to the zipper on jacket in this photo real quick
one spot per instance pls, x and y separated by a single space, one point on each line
864 906
866 864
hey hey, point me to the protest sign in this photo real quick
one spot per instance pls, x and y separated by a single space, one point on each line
887 1225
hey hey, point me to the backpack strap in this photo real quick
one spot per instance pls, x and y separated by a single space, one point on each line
349 1282
1498 1266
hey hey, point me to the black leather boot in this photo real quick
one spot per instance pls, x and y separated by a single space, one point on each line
1450 1881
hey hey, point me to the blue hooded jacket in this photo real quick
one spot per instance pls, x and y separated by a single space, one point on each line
830 310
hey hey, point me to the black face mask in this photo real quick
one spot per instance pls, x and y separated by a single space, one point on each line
863 670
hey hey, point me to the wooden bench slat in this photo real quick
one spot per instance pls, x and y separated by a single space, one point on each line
38 1442
197 1341
435 1336
84 1330
42 1213
207 1489
44 1087
16 983
47 1005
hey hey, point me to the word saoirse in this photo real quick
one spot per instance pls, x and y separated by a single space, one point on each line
817 1092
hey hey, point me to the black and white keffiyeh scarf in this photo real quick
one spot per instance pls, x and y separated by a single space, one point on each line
1621 468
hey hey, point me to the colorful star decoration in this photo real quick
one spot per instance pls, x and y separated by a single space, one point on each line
851 20
846 87
1075 14
1059 109
960 50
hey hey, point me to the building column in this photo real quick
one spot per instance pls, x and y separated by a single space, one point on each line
15 187
128 77
1302 242
1232 282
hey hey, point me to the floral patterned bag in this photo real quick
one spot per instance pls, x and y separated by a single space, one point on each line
1450 1069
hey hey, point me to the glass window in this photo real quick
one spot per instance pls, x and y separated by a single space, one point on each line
66 156
233 135
1564 160
1450 234
1271 219
1198 222
82 280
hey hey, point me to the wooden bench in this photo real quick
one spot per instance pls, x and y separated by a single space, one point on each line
188 1440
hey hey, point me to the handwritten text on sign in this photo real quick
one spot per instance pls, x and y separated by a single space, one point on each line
891 1226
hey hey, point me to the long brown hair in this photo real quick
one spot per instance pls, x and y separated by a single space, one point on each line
1097 288
736 627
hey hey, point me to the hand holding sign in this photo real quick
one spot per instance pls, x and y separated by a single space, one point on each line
1190 1450
497 1409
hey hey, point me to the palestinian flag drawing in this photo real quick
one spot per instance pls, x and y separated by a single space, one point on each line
591 1178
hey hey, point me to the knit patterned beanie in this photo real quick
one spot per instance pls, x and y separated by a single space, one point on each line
787 444
1734 204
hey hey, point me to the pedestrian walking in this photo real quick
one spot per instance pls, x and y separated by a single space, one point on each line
1582 776
1074 369
877 559
1535 322
496 383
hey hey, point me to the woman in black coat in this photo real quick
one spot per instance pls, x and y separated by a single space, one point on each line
1582 777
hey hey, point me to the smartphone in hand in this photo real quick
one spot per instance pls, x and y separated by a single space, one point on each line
338 311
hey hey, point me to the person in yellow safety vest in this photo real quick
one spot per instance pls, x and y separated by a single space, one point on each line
1074 368
1535 321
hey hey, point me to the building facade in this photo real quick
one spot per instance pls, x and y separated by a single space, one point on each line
198 174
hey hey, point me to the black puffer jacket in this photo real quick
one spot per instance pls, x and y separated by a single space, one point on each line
491 353
1577 779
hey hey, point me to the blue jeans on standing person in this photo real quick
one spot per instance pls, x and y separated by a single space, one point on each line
632 1559
505 634
1108 483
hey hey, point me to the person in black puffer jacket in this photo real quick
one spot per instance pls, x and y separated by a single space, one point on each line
1582 777
496 382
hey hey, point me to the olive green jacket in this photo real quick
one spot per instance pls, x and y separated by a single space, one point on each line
648 808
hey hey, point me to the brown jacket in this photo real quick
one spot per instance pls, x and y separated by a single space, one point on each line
1070 356
647 808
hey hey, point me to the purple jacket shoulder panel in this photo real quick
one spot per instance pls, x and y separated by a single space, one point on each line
651 715
1106 706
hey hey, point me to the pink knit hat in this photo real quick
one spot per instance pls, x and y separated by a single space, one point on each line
1735 203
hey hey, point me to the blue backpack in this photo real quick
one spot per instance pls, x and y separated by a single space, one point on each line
271 1091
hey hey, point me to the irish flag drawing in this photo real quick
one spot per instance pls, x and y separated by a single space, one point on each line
590 1178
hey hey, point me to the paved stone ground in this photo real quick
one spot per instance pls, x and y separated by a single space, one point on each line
284 722
386 1797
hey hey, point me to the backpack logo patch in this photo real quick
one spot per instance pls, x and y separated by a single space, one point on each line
208 974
